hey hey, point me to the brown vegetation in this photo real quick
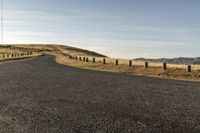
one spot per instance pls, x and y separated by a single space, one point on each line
174 71
62 54
7 53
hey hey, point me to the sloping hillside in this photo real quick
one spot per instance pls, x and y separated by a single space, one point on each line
61 49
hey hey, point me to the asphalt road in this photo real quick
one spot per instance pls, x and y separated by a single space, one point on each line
40 96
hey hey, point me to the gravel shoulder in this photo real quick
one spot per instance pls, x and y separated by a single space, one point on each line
39 96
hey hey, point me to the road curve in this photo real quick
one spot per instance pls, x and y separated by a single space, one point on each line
40 96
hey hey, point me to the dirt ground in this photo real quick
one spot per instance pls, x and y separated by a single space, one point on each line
39 96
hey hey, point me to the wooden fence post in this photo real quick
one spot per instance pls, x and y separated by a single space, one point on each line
164 66
117 62
189 68
146 65
130 62
94 60
104 61
87 59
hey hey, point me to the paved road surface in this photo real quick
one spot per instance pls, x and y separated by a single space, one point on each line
41 96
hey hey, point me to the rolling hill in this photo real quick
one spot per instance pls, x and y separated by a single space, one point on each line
61 49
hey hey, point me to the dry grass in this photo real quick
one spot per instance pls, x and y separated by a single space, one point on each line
141 63
19 57
6 54
65 50
155 69
8 51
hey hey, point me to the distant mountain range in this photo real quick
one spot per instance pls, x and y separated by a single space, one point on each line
181 60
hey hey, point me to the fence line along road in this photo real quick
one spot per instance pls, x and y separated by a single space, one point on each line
130 62
14 55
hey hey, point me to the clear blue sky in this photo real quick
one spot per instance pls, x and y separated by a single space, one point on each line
117 28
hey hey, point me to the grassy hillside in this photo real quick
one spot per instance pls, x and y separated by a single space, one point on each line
60 49
8 53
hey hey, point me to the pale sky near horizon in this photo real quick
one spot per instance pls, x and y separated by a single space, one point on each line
117 28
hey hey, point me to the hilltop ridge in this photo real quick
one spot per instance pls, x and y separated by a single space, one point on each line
61 49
